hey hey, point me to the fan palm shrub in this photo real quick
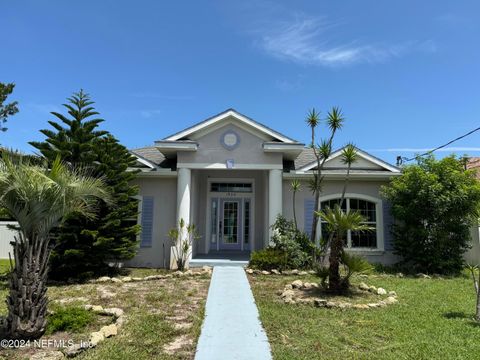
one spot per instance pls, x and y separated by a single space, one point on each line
339 223
39 198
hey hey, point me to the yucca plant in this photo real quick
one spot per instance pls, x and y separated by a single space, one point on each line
39 199
182 238
339 223
295 186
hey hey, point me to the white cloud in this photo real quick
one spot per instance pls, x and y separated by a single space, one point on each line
150 113
306 40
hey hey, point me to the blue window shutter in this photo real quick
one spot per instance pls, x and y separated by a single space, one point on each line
147 222
308 207
387 225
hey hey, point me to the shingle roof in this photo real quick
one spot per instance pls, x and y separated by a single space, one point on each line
152 154
306 157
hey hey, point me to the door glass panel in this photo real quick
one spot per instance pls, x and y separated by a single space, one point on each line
246 230
230 222
214 220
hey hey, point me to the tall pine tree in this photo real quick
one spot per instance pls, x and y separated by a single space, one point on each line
83 247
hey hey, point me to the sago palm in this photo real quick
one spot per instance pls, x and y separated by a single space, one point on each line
339 223
39 199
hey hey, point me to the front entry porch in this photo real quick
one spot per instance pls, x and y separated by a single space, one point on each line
221 258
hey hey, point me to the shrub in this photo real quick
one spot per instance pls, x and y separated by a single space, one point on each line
71 319
435 203
294 243
268 259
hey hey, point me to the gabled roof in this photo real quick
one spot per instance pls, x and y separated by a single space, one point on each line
301 166
230 113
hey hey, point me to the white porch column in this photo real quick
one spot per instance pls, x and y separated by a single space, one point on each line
274 198
184 178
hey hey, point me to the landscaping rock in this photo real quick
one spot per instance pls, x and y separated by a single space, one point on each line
109 330
297 284
137 279
88 307
363 286
373 305
127 279
308 286
320 302
303 273
103 279
96 308
264 272
249 271
96 338
360 306
117 312
288 294
74 350
120 321
391 300
276 272
47 355
423 276
400 275
154 277
311 272
294 272
330 304
288 287
116 280
392 293
381 291
372 289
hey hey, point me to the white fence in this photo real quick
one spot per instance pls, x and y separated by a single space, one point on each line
6 236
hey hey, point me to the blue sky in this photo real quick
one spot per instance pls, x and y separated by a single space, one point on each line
406 74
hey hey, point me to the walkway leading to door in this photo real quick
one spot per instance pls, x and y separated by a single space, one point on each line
231 329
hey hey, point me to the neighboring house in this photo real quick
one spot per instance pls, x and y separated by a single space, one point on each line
7 236
473 255
230 176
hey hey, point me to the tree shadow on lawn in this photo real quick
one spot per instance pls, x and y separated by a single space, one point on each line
460 315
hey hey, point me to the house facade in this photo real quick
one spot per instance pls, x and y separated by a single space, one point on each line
230 176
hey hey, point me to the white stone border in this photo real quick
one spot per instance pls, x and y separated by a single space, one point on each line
289 297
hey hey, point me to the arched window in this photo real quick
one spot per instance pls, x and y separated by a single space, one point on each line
356 239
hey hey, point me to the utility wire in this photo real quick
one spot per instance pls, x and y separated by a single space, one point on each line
405 159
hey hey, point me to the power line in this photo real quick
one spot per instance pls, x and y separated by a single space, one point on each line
405 159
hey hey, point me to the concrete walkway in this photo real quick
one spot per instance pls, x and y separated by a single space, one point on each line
231 329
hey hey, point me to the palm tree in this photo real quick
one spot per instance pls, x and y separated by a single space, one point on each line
39 199
339 223
295 187
322 152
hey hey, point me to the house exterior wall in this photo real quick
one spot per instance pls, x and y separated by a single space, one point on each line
330 188
210 150
164 192
6 237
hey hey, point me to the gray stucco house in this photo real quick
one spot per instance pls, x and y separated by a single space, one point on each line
230 176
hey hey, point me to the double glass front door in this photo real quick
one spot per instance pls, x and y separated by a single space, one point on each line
230 223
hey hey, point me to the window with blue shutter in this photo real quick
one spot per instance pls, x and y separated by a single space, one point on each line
147 222
308 207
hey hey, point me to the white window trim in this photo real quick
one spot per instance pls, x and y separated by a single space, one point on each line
378 214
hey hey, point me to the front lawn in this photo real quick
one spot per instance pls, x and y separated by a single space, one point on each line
431 321
163 316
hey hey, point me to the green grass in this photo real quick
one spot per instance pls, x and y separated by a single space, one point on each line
4 266
70 318
152 309
433 320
